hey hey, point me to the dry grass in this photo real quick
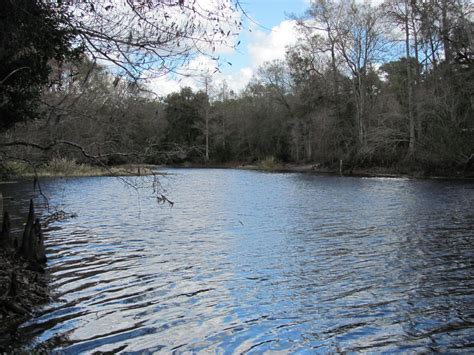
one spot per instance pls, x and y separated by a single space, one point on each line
63 167
269 163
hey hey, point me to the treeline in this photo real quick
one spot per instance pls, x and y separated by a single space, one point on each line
388 86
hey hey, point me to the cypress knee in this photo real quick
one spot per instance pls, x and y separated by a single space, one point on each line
32 246
27 247
6 240
13 290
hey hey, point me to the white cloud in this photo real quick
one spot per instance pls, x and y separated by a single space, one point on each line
155 36
262 47
269 46
196 70
236 81
191 75
163 85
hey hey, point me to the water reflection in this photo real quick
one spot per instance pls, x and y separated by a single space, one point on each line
253 262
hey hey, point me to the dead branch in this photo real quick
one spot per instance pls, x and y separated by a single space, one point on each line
13 72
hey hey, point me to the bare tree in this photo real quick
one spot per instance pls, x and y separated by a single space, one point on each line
354 34
401 12
150 38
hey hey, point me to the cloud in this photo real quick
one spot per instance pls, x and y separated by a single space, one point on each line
262 47
269 46
163 85
371 2
194 78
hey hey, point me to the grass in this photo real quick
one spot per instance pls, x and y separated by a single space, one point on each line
67 167
269 163
63 167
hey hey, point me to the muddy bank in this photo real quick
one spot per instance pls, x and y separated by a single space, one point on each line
23 279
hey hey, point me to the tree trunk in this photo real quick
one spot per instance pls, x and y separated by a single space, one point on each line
207 136
445 32
417 83
206 114
411 117
359 103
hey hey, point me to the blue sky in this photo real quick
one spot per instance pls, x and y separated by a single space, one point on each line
265 34
263 16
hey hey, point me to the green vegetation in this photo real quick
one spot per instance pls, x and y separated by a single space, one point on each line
385 87
63 167
269 163
32 35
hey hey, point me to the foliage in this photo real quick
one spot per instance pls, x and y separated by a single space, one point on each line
269 163
32 34
345 91
183 113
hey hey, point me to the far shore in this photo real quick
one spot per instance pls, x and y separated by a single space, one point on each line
317 169
85 170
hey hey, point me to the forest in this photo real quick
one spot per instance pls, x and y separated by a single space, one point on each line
388 86
151 258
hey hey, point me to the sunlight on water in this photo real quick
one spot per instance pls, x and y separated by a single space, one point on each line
250 261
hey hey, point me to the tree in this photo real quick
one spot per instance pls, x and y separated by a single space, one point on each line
402 13
31 35
183 113
322 94
150 38
207 81
355 35
134 39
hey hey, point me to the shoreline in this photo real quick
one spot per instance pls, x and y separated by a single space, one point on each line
82 170
316 169
24 281
32 291
375 172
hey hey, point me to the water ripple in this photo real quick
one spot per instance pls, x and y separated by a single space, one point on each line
249 262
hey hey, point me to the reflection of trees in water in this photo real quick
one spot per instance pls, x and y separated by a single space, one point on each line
436 262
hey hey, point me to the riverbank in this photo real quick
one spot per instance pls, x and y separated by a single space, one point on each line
22 290
68 168
393 172
71 168
23 278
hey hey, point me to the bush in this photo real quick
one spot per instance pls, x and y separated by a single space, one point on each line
269 163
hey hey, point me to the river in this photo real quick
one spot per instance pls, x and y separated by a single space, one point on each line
250 261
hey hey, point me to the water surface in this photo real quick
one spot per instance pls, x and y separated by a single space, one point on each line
252 262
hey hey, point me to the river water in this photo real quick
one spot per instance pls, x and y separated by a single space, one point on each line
252 262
